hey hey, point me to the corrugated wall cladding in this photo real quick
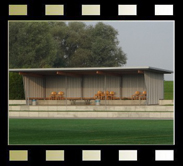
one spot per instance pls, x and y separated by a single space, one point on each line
58 83
92 84
113 84
73 87
55 83
155 87
153 83
33 86
25 86
132 83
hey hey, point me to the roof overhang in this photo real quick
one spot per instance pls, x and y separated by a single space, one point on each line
77 72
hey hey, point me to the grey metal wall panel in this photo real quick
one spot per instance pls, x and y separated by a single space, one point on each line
36 87
113 84
73 87
55 83
25 86
132 83
58 83
92 84
155 87
153 83
33 87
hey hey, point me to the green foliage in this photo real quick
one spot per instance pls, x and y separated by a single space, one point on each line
31 45
90 131
90 46
16 90
57 44
168 90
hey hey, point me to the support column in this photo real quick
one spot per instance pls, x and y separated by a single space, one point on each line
23 77
44 88
66 91
121 81
82 87
28 92
105 84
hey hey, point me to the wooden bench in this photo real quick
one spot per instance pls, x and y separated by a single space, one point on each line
75 99
36 98
87 99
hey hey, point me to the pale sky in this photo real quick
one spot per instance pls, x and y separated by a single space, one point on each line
146 43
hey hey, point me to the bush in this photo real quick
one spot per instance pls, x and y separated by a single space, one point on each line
168 90
16 90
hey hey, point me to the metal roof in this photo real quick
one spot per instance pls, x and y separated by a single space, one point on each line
79 69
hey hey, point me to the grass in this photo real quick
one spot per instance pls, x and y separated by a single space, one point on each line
90 131
168 90
93 131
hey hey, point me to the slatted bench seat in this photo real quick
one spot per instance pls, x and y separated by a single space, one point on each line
36 98
75 99
87 99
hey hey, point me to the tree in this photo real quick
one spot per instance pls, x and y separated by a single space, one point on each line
105 49
69 39
89 46
60 44
31 45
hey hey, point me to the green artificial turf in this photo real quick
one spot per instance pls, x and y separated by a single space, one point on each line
168 90
90 131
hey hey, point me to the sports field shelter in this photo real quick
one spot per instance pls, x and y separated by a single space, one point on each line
114 84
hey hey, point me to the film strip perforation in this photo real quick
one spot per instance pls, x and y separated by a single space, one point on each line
88 10
91 155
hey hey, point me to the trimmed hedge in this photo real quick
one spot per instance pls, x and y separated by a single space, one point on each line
16 90
168 90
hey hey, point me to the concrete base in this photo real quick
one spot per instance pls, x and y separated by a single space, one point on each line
91 108
146 112
111 115
81 102
166 102
133 109
92 102
17 101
